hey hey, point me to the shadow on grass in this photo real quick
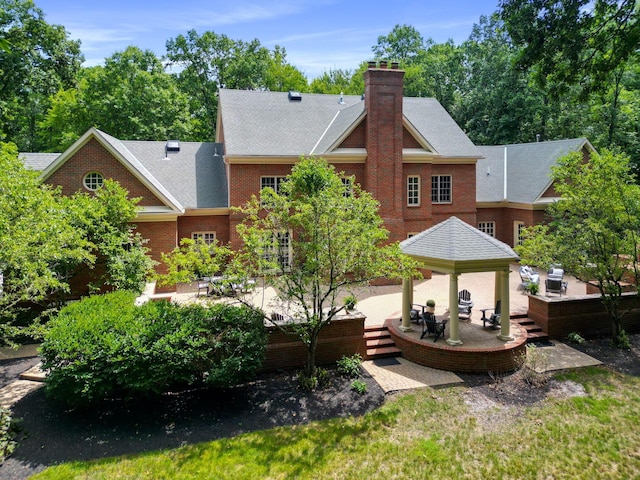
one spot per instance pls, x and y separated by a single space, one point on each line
52 434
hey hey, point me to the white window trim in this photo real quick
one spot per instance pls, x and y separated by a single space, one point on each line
517 227
97 181
441 202
418 187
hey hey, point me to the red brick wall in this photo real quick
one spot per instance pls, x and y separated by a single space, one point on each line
408 140
505 219
204 223
457 359
93 157
584 314
162 236
342 337
356 139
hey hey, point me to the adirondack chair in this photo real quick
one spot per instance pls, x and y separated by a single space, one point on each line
464 304
494 319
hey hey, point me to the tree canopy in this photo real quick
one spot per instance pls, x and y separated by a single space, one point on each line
47 238
312 241
549 68
594 230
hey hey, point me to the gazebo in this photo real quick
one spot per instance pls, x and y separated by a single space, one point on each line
455 247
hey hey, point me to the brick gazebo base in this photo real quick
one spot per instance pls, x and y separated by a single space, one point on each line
481 351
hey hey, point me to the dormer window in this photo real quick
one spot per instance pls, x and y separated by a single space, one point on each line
93 181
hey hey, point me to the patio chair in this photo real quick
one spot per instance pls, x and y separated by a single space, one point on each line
528 277
416 313
494 318
464 304
204 283
430 326
555 285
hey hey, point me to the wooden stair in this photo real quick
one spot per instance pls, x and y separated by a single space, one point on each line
379 343
533 330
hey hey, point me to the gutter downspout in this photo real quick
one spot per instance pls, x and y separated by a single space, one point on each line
505 174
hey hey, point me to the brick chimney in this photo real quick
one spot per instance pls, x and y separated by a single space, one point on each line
384 138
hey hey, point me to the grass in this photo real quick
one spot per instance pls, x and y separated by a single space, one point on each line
425 434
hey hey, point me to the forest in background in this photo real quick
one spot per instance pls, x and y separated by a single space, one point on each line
534 69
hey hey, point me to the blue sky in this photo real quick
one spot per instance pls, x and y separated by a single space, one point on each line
318 35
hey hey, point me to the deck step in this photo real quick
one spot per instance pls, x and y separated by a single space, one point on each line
377 334
533 331
380 342
373 353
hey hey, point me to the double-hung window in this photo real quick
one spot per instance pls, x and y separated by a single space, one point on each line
441 189
347 183
280 250
206 237
413 191
273 182
488 227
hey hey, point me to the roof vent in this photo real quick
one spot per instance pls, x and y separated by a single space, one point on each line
172 146
295 96
341 101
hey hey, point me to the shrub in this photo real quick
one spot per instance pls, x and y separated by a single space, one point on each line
310 383
105 346
359 386
349 366
576 338
6 438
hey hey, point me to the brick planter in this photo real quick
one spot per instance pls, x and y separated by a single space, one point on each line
583 314
343 336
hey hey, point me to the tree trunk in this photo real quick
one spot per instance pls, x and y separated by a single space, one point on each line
310 368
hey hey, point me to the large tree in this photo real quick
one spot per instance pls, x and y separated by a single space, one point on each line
38 60
594 230
312 241
131 97
210 61
36 235
573 41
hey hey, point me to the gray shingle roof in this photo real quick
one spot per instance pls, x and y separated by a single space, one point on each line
437 127
528 169
38 161
456 241
195 175
260 123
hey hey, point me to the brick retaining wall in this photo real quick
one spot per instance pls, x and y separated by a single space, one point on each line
583 314
344 336
459 358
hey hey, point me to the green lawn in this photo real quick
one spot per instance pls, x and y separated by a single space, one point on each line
425 434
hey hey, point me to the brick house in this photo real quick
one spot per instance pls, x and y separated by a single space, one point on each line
408 152
514 187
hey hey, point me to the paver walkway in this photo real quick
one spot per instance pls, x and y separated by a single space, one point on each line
405 375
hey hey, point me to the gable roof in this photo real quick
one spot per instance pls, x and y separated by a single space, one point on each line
456 246
263 124
528 168
176 178
195 175
37 161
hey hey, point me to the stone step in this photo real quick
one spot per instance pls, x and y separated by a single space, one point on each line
380 342
377 334
382 352
34 374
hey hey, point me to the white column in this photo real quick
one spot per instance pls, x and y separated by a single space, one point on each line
505 308
407 293
454 320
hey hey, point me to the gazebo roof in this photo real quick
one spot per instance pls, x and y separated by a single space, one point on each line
454 246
